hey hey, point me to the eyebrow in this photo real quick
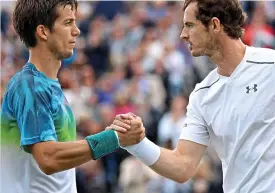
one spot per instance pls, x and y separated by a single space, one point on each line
69 19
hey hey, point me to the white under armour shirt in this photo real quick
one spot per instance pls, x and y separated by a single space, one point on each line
236 117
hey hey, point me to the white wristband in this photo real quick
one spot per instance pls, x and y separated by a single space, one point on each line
145 151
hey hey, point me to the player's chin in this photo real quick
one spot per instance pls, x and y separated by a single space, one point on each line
68 54
196 53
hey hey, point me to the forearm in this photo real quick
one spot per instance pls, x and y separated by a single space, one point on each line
67 155
55 156
173 166
179 164
168 163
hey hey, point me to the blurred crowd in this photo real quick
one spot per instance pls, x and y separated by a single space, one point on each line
129 58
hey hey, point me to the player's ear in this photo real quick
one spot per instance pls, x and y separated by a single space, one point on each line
42 32
215 25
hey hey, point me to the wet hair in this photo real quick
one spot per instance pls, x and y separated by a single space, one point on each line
28 14
229 12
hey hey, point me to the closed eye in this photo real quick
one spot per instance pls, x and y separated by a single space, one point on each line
188 24
69 22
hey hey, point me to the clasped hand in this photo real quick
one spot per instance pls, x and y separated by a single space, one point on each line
129 128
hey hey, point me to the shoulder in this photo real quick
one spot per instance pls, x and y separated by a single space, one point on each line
25 81
261 56
203 88
210 80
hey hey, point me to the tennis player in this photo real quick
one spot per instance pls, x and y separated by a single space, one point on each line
38 130
232 110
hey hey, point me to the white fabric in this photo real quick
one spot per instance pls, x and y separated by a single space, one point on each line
170 129
21 174
145 151
240 126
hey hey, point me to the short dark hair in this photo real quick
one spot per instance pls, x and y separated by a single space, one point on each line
229 12
28 14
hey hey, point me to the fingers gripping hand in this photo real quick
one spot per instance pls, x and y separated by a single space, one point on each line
128 116
121 123
136 122
134 135
131 120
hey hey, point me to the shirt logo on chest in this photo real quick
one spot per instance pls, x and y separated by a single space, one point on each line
254 88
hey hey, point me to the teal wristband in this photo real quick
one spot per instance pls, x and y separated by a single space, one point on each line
103 143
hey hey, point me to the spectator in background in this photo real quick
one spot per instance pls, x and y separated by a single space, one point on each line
258 32
97 50
170 125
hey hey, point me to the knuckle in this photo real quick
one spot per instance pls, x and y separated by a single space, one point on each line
116 122
118 117
115 127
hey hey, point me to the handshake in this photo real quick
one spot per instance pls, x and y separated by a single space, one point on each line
129 129
127 132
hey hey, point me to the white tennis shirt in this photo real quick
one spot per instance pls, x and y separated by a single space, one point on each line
236 116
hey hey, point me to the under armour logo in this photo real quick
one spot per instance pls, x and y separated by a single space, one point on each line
248 89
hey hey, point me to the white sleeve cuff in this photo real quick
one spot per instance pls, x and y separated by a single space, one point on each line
196 134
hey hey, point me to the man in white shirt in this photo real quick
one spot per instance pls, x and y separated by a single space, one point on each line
232 110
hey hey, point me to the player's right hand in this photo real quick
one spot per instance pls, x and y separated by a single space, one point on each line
133 125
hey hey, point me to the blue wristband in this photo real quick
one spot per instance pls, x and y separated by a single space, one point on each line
103 143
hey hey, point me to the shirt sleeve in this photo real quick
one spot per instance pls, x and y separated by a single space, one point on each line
195 128
31 106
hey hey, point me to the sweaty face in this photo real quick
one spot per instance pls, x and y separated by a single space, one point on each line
62 39
197 36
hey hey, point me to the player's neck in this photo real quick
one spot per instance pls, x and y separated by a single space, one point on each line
45 61
228 56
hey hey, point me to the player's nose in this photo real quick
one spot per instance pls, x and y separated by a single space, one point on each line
76 31
184 35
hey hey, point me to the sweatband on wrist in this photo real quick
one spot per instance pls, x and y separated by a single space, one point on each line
145 151
103 143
